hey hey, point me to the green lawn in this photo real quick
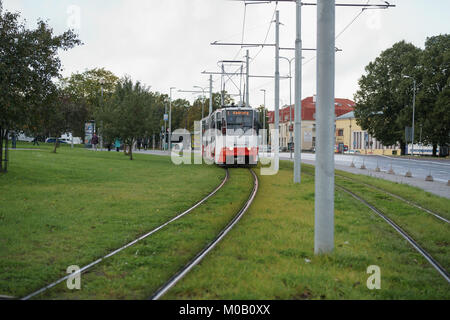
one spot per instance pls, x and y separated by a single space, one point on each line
269 254
75 206
138 271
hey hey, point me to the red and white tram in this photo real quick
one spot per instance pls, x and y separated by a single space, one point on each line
230 136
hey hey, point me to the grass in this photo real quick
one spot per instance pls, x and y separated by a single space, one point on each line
269 254
431 233
137 272
413 194
75 206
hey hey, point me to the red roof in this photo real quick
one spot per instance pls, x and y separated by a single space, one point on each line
342 106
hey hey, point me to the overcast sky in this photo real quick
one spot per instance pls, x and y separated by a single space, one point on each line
166 43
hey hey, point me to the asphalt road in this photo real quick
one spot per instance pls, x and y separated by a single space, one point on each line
420 168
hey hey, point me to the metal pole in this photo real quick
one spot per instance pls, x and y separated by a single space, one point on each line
165 128
247 89
277 93
298 97
101 124
324 184
414 109
223 86
210 94
170 119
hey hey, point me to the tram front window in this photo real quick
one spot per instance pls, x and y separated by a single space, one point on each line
238 120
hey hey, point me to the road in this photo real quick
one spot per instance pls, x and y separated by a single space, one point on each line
420 168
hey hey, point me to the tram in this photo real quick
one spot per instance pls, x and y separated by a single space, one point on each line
230 136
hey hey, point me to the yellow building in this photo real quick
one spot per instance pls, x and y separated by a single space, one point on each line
350 135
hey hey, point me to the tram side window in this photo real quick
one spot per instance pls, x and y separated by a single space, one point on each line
219 121
213 122
257 123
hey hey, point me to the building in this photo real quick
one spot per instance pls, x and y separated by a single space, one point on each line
342 106
350 136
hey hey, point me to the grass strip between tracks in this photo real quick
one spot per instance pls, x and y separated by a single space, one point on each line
140 270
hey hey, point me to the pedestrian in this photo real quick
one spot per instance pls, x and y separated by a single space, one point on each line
14 140
35 141
138 144
94 142
145 143
117 144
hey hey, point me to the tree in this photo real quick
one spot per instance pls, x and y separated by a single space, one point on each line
433 101
195 111
126 114
87 86
28 64
384 99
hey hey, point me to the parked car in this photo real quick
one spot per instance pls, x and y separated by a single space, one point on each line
53 140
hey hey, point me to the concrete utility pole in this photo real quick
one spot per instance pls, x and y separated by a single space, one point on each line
170 118
165 127
324 182
414 109
264 118
298 96
210 94
277 93
247 81
223 87
290 100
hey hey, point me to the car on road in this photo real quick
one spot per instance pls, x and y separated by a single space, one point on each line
53 140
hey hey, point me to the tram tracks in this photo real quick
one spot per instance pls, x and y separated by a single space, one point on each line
431 260
96 262
436 215
198 258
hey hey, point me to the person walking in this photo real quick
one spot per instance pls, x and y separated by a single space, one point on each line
94 142
117 145
35 141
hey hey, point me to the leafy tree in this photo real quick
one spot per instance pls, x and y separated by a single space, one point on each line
384 99
88 86
195 111
433 102
125 115
28 64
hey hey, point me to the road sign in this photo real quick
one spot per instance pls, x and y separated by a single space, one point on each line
408 134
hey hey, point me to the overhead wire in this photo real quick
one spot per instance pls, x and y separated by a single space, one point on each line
342 31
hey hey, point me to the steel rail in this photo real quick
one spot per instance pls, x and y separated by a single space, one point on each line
405 235
434 263
188 267
83 269
398 197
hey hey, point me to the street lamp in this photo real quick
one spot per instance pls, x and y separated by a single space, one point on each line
102 82
414 107
170 118
264 116
290 99
204 98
